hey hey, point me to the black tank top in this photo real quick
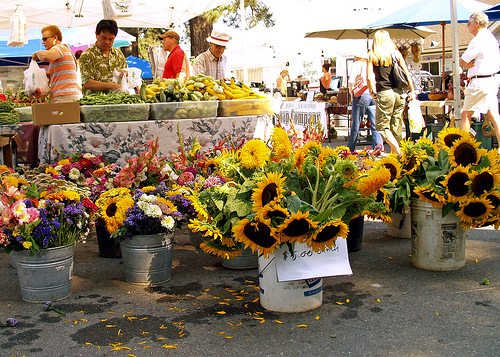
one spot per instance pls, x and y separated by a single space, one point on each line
383 78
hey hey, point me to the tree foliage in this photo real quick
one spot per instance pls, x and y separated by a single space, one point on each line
255 12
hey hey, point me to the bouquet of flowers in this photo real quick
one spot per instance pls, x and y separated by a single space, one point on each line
275 196
43 216
77 168
454 174
148 210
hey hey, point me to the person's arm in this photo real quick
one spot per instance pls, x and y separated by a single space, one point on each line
370 79
402 63
100 86
328 80
467 64
198 66
87 70
278 82
48 56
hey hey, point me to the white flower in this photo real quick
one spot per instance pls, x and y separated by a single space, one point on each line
2 207
41 204
168 222
149 209
87 156
58 168
109 184
148 198
74 174
168 170
143 175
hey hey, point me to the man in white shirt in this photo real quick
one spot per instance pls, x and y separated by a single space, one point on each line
482 58
213 61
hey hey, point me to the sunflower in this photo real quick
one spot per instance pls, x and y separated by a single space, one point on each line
494 198
296 227
254 154
325 236
455 184
491 159
448 136
484 180
412 161
220 250
256 235
382 196
464 152
273 212
391 162
269 191
327 155
210 165
475 210
299 158
199 208
347 170
113 211
430 148
374 181
51 171
427 193
281 143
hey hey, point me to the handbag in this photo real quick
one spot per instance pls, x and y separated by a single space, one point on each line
399 75
359 86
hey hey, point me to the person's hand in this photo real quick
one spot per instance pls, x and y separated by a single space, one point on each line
114 86
411 95
34 57
471 64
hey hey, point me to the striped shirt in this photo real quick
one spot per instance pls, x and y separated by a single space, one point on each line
97 66
62 73
206 63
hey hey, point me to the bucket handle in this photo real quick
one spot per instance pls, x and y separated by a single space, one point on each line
264 269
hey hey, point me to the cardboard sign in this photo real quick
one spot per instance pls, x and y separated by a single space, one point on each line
306 264
301 114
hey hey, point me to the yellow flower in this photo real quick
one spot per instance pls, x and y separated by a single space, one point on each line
254 154
483 181
326 235
50 170
281 144
374 181
268 192
392 164
447 137
474 211
64 162
213 247
148 189
256 236
296 227
27 245
455 184
428 194
71 195
465 152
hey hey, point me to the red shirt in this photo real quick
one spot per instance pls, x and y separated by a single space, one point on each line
174 63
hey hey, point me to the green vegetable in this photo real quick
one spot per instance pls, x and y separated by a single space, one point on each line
163 99
142 92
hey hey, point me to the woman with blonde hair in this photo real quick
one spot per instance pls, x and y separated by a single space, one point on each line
62 72
282 80
390 99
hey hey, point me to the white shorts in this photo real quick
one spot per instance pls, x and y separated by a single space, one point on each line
481 95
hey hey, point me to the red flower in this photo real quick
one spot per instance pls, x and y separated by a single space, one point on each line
85 162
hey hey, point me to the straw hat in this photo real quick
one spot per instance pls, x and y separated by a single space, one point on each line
219 38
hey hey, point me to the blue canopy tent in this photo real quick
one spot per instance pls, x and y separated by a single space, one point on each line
493 13
142 64
19 56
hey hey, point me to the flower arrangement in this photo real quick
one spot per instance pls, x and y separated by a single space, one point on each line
77 168
454 174
149 210
41 217
275 195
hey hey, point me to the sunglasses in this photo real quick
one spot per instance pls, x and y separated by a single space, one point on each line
46 38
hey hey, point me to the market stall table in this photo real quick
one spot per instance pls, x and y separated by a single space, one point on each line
119 141
29 135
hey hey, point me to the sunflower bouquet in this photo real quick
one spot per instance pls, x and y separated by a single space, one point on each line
37 217
149 210
454 174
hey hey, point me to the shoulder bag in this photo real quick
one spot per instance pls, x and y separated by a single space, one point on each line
359 86
399 75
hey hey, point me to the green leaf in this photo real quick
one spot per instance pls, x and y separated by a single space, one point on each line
447 208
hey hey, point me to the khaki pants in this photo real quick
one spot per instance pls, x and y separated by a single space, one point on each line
389 115
65 98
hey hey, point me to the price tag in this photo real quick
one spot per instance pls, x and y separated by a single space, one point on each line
306 264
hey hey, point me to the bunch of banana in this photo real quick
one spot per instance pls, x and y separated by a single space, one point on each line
237 91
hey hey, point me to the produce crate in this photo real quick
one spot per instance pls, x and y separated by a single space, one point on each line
238 107
114 112
25 113
184 110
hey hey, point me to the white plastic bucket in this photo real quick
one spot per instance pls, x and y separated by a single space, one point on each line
399 228
288 296
437 243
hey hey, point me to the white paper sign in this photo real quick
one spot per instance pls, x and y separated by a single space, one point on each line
301 114
307 264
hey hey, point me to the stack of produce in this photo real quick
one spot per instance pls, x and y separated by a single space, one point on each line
237 91
7 113
111 98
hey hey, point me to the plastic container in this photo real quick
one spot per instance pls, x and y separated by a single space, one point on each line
433 130
247 260
184 110
47 275
241 107
25 113
287 296
399 227
114 112
437 243
147 259
355 235
485 142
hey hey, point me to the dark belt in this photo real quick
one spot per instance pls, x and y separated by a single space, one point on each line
483 76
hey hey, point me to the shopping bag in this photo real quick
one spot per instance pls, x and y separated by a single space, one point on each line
415 117
36 82
359 86
116 8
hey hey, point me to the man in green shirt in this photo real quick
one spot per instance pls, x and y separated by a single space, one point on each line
98 62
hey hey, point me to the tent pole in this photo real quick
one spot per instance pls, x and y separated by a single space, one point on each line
443 23
455 64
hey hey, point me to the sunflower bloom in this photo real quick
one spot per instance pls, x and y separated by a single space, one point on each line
427 193
254 154
483 181
220 250
269 191
256 236
448 136
465 152
455 184
474 211
281 144
296 227
392 164
325 236
374 181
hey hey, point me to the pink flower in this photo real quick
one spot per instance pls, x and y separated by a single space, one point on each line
33 213
4 239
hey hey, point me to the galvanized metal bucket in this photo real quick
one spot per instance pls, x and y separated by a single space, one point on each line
47 275
147 259
12 259
195 238
247 260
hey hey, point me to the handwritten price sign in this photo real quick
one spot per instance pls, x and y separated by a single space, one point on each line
306 264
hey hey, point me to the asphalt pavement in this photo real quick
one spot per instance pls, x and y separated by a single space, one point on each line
387 307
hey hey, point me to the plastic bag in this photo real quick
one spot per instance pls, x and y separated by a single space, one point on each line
116 8
36 82
415 117
18 35
134 77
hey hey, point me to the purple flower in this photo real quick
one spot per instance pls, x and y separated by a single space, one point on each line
11 322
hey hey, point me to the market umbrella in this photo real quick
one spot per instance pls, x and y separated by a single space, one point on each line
80 38
431 12
493 13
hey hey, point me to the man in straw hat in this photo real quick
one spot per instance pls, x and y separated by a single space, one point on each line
212 62
177 64
362 102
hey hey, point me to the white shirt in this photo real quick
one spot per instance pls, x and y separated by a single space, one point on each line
483 48
358 67
207 64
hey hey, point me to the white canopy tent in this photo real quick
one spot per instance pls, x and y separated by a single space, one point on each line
73 13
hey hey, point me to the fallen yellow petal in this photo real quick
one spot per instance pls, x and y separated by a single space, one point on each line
221 333
230 324
301 325
255 300
104 320
378 300
249 281
99 347
477 260
437 314
163 327
207 289
262 321
88 343
228 299
241 323
258 318
195 303
119 332
339 303
110 312
221 312
228 336
223 303
131 355
81 312
141 343
216 297
230 290
347 300
182 335
76 322
279 322
110 325
145 333
161 338
146 347
317 317
170 346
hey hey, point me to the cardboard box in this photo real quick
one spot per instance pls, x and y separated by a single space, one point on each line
56 113
8 149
